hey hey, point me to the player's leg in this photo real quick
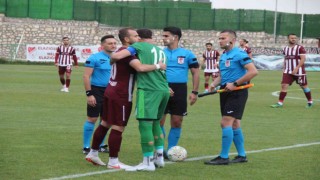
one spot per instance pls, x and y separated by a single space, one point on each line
287 80
118 113
98 137
206 81
157 132
68 78
61 72
302 81
145 117
158 144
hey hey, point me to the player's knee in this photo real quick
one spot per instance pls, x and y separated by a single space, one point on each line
118 128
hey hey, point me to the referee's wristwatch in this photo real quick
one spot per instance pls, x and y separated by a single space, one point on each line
195 92
235 83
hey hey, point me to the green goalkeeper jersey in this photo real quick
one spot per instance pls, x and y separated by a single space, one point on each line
150 54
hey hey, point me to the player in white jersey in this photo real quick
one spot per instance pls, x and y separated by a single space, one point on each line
294 70
211 63
63 60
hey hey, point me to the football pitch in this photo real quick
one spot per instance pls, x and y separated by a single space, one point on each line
41 132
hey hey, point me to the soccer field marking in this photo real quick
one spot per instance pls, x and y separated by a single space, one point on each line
276 94
189 159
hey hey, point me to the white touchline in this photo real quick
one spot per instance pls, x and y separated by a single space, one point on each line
189 159
276 94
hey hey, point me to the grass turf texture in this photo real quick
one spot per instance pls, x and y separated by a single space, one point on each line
41 131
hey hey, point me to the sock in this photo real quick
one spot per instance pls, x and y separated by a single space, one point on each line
104 139
157 133
238 141
147 159
146 137
227 136
68 83
163 132
206 86
63 81
114 142
281 97
113 160
98 136
87 133
307 93
93 152
173 137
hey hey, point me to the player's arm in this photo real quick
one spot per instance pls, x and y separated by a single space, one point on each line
136 64
57 56
301 63
74 57
122 54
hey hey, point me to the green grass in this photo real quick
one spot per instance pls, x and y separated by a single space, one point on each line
41 131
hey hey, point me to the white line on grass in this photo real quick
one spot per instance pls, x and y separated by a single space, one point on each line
189 159
276 94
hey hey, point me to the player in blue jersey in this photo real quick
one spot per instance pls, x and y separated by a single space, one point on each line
179 61
236 68
96 77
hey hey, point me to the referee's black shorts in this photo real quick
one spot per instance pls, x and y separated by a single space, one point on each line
98 94
177 104
233 103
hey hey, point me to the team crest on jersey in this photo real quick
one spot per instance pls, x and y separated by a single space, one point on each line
180 60
227 63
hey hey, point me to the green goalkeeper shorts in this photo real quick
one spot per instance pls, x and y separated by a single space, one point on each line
151 105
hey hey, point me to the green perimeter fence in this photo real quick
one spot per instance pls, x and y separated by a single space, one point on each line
157 14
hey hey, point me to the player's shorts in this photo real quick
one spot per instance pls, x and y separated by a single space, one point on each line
98 94
233 103
151 105
116 111
289 78
213 74
65 69
177 104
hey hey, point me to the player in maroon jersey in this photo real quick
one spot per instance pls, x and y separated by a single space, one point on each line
244 45
118 102
63 60
211 62
294 70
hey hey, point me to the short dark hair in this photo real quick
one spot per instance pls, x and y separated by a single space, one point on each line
124 32
292 34
173 30
65 37
244 40
145 33
209 44
232 32
106 37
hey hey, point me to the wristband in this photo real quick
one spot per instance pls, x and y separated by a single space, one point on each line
157 66
195 92
235 83
89 93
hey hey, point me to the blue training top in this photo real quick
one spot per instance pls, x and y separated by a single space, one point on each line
100 62
178 62
232 65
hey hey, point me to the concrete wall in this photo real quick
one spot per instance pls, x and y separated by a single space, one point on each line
36 31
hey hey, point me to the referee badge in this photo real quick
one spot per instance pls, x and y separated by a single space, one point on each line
180 59
227 63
